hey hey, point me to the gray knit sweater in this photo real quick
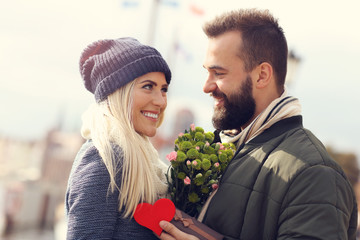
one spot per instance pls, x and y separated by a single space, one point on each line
92 211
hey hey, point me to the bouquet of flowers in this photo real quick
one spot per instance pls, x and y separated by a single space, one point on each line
196 167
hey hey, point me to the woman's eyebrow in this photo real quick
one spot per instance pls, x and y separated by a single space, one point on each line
152 82
148 81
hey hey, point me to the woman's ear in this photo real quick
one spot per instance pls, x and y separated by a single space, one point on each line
264 75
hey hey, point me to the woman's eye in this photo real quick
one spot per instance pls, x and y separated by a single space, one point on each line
148 86
218 74
164 90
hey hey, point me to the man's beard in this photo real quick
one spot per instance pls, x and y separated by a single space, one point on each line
238 108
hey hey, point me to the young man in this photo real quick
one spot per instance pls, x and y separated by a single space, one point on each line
281 183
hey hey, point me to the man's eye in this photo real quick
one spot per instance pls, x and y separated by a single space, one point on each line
165 89
218 73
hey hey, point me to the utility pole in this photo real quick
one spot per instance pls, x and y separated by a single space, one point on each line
153 22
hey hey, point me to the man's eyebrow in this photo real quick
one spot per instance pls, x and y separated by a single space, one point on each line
214 67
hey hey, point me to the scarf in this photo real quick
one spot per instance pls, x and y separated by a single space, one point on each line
283 107
161 186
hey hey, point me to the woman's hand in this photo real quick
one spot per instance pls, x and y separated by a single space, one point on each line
173 233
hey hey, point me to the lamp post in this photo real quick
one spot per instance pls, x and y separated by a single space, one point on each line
153 22
293 64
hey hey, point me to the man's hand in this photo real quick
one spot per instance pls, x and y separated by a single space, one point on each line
173 233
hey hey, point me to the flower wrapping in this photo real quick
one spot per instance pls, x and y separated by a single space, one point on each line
196 165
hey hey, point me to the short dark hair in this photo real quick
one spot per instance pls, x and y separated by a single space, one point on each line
263 39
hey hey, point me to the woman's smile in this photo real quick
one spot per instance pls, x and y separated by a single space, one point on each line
153 116
149 102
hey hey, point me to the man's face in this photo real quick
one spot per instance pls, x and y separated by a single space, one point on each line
228 82
238 108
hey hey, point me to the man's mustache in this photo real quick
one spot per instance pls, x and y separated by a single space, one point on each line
218 94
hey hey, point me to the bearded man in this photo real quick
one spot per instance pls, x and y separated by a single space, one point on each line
281 183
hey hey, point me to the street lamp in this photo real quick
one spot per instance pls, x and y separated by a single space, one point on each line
292 66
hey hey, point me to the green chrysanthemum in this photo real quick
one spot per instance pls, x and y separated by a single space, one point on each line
214 158
223 158
188 136
196 164
200 144
209 150
199 129
193 197
209 136
199 136
199 179
181 156
229 153
185 145
205 156
192 153
207 174
206 164
181 175
205 190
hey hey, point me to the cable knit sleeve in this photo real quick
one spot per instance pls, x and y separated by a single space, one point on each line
92 210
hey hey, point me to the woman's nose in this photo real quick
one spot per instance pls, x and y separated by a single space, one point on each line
159 99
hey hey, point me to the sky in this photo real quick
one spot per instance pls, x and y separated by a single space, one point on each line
41 42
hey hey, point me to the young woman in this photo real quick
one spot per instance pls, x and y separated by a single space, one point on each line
117 167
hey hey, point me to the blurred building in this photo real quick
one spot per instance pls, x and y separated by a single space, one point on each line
34 178
164 144
348 163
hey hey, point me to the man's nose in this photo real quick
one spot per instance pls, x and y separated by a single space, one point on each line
210 84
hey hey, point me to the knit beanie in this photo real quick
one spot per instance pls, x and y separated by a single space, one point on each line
107 65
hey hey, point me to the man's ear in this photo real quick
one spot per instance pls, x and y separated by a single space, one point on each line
264 75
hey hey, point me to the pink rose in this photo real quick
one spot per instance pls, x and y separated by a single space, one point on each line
192 126
187 180
188 162
207 144
214 186
221 146
171 156
181 134
194 163
197 148
216 164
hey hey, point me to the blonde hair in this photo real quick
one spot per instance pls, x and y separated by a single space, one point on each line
109 123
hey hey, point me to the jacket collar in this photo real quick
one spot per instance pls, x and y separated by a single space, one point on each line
279 128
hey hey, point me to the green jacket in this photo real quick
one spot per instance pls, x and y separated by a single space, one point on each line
284 185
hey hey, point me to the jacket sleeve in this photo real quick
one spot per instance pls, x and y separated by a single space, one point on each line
92 209
318 205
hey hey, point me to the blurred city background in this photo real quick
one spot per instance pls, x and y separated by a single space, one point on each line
42 95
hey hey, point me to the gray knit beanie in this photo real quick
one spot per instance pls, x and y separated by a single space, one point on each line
107 65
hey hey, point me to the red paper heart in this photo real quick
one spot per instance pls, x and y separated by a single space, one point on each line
150 216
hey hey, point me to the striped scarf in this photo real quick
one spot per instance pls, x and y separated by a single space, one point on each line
281 108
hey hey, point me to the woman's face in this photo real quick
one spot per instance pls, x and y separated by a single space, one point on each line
149 102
